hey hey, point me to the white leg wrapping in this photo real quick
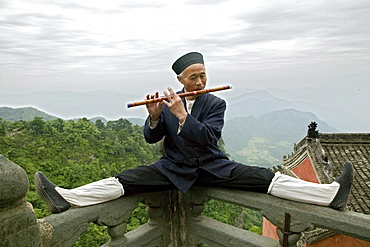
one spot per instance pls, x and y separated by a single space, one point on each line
294 189
97 192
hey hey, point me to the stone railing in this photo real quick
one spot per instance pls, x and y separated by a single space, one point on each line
174 219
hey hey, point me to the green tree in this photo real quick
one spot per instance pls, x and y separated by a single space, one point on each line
100 124
37 126
73 153
3 127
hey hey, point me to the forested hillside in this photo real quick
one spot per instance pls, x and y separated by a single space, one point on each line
73 153
264 140
23 113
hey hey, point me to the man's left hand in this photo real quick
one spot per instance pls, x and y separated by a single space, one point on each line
176 105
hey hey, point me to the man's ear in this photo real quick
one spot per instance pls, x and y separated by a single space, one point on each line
179 79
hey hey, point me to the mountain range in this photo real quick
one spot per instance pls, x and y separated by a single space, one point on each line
260 102
111 105
259 128
250 140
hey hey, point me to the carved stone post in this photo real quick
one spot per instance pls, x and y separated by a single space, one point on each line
18 225
178 220
117 235
191 206
174 212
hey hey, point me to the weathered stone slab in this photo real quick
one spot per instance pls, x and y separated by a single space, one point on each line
217 234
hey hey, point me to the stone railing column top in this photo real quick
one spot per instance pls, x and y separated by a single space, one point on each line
13 182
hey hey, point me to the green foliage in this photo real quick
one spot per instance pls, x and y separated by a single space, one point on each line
138 217
234 215
257 153
74 153
256 229
94 236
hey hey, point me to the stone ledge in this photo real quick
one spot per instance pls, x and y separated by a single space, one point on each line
303 216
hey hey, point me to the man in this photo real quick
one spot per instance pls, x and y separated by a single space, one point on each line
191 128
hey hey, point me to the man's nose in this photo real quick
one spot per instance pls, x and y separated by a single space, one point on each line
199 81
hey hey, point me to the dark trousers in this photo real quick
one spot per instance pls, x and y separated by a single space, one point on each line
143 179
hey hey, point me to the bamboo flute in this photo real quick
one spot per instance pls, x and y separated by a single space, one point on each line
209 90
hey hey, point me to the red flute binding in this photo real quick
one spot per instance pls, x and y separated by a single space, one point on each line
209 90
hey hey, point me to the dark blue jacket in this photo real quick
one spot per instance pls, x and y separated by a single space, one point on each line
195 146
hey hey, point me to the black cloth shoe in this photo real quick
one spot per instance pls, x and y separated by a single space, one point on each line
345 180
46 190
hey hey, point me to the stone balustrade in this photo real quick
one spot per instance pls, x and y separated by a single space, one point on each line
175 219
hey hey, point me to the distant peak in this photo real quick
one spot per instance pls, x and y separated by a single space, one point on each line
260 95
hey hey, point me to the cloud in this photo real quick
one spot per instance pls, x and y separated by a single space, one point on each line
313 50
43 40
284 35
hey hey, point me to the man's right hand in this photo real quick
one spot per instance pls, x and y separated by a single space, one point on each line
154 109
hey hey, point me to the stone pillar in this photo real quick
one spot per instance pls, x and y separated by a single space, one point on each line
184 209
18 225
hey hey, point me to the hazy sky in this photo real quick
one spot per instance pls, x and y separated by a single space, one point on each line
292 48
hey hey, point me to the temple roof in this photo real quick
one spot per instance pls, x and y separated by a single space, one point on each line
356 149
328 152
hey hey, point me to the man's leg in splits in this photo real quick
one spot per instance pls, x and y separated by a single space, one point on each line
257 179
141 179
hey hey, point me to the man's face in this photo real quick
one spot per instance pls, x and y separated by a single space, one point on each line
194 77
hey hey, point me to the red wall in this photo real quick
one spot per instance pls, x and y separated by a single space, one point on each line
268 229
305 171
340 241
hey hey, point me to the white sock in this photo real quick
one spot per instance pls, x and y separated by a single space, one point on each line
97 192
294 189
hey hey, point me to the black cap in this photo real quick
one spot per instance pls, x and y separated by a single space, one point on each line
186 60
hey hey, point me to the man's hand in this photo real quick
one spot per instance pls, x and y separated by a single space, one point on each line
175 104
154 109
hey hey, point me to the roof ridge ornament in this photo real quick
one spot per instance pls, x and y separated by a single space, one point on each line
312 132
